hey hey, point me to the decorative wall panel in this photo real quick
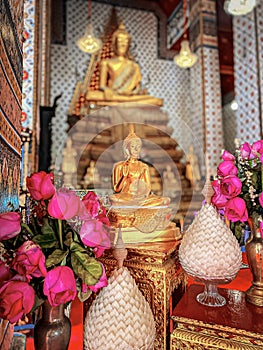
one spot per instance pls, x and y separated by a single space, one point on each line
229 128
28 65
205 83
11 16
248 75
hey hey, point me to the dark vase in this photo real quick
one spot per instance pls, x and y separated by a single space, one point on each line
254 251
53 330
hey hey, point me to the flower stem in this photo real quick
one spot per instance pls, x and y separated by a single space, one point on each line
60 233
28 229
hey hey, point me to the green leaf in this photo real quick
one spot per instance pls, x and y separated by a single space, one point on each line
84 296
48 237
85 267
56 257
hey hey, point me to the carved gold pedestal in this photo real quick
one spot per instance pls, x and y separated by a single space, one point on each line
159 276
238 325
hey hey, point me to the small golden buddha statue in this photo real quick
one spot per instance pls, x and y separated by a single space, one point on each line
120 77
133 204
131 178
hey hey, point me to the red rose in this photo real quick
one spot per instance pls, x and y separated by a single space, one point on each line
64 204
258 147
40 185
227 167
60 285
9 225
29 261
236 210
218 199
5 273
228 156
91 203
246 151
261 199
16 300
230 186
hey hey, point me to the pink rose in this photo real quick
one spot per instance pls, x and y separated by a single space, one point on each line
228 156
230 186
261 228
261 199
40 185
102 216
30 261
103 282
93 208
236 210
246 151
257 148
5 273
94 234
64 204
60 285
227 167
16 299
9 225
218 199
91 203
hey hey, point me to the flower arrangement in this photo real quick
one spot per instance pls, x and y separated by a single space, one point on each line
54 255
238 187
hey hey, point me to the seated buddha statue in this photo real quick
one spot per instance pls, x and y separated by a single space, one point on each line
120 76
131 178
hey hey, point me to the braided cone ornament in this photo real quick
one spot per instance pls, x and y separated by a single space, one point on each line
119 318
208 248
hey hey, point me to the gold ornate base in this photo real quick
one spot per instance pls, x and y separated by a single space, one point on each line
143 219
237 325
131 236
254 295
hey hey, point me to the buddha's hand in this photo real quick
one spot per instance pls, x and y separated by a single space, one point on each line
125 170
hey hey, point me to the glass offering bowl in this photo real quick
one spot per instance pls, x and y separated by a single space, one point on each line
210 295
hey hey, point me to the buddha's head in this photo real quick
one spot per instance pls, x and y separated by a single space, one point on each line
121 41
132 144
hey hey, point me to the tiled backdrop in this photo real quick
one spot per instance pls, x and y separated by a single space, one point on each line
162 78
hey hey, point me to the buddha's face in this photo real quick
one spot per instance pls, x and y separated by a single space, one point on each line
134 148
122 44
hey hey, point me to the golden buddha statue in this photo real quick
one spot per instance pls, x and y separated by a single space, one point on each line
131 178
133 204
120 77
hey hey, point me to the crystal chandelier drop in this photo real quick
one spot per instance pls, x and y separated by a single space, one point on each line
185 58
239 7
89 43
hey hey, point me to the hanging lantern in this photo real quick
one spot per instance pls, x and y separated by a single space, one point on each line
239 7
185 58
89 43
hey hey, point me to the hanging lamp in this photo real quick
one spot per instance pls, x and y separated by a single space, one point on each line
89 43
185 58
239 7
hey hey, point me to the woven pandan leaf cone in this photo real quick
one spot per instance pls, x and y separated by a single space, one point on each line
119 318
209 251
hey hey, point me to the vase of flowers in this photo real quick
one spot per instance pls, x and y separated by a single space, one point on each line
239 198
52 331
51 253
